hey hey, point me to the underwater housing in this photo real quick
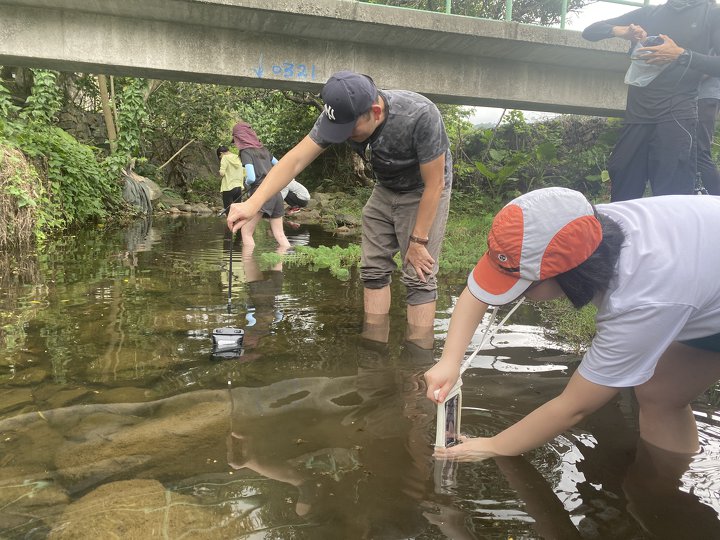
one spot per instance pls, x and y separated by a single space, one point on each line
227 342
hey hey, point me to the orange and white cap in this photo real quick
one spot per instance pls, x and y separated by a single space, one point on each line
534 237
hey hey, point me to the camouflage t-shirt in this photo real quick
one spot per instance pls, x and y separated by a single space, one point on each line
413 133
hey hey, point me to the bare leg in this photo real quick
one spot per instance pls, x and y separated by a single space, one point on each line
377 301
376 327
653 489
421 315
421 336
276 226
666 419
248 231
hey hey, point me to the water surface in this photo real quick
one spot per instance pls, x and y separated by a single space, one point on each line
116 416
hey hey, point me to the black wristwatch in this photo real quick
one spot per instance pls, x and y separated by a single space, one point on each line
684 58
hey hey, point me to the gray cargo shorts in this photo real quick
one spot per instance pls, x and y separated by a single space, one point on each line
388 219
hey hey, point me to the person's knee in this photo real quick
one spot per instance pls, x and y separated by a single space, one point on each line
651 398
374 279
416 297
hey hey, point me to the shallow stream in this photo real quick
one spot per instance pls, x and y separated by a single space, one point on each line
117 419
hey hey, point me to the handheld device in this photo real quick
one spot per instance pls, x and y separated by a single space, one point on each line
447 429
652 41
448 418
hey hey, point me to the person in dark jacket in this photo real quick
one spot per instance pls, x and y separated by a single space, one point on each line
658 140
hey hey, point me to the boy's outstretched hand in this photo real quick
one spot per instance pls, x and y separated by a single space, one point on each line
239 214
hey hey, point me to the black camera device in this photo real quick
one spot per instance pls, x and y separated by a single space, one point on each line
652 41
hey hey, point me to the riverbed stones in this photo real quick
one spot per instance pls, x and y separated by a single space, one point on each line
138 509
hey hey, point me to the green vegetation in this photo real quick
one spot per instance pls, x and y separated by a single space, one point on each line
571 326
51 181
338 260
57 173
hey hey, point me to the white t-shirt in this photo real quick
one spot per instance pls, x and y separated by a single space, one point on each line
298 189
667 287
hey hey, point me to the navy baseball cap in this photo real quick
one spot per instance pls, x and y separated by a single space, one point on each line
346 96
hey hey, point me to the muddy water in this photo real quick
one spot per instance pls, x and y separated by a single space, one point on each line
117 420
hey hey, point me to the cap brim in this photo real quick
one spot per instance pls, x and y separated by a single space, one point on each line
334 132
493 286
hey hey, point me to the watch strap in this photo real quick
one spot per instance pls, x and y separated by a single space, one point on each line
418 240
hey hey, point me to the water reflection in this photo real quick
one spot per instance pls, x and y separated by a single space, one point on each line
355 448
111 413
263 289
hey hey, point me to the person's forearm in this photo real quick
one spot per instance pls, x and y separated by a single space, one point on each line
704 63
277 178
540 426
433 175
467 316
580 398
606 29
427 208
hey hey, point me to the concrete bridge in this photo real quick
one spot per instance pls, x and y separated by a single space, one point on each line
297 44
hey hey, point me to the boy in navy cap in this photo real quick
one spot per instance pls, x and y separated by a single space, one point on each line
401 136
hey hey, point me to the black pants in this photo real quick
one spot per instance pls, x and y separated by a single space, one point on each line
231 196
294 201
707 112
663 153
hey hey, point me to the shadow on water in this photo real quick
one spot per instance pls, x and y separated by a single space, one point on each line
115 418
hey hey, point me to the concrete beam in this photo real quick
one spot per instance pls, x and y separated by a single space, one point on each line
291 44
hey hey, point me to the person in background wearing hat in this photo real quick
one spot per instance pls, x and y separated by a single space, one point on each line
258 161
649 265
401 135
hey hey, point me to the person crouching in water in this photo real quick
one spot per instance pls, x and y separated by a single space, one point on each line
649 265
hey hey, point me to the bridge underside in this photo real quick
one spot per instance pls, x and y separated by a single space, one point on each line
289 45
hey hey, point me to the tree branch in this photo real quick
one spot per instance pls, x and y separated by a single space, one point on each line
176 153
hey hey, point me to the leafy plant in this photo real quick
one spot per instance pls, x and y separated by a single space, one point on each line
7 111
337 259
77 188
46 99
132 115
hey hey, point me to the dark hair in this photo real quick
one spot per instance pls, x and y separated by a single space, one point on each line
593 275
221 150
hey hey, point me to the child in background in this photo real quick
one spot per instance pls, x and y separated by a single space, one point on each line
233 175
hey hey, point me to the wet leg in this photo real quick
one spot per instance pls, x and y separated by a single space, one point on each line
666 419
248 231
628 163
276 226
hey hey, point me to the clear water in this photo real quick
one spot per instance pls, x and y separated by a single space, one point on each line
117 420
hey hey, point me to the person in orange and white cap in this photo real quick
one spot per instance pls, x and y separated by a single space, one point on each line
649 265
